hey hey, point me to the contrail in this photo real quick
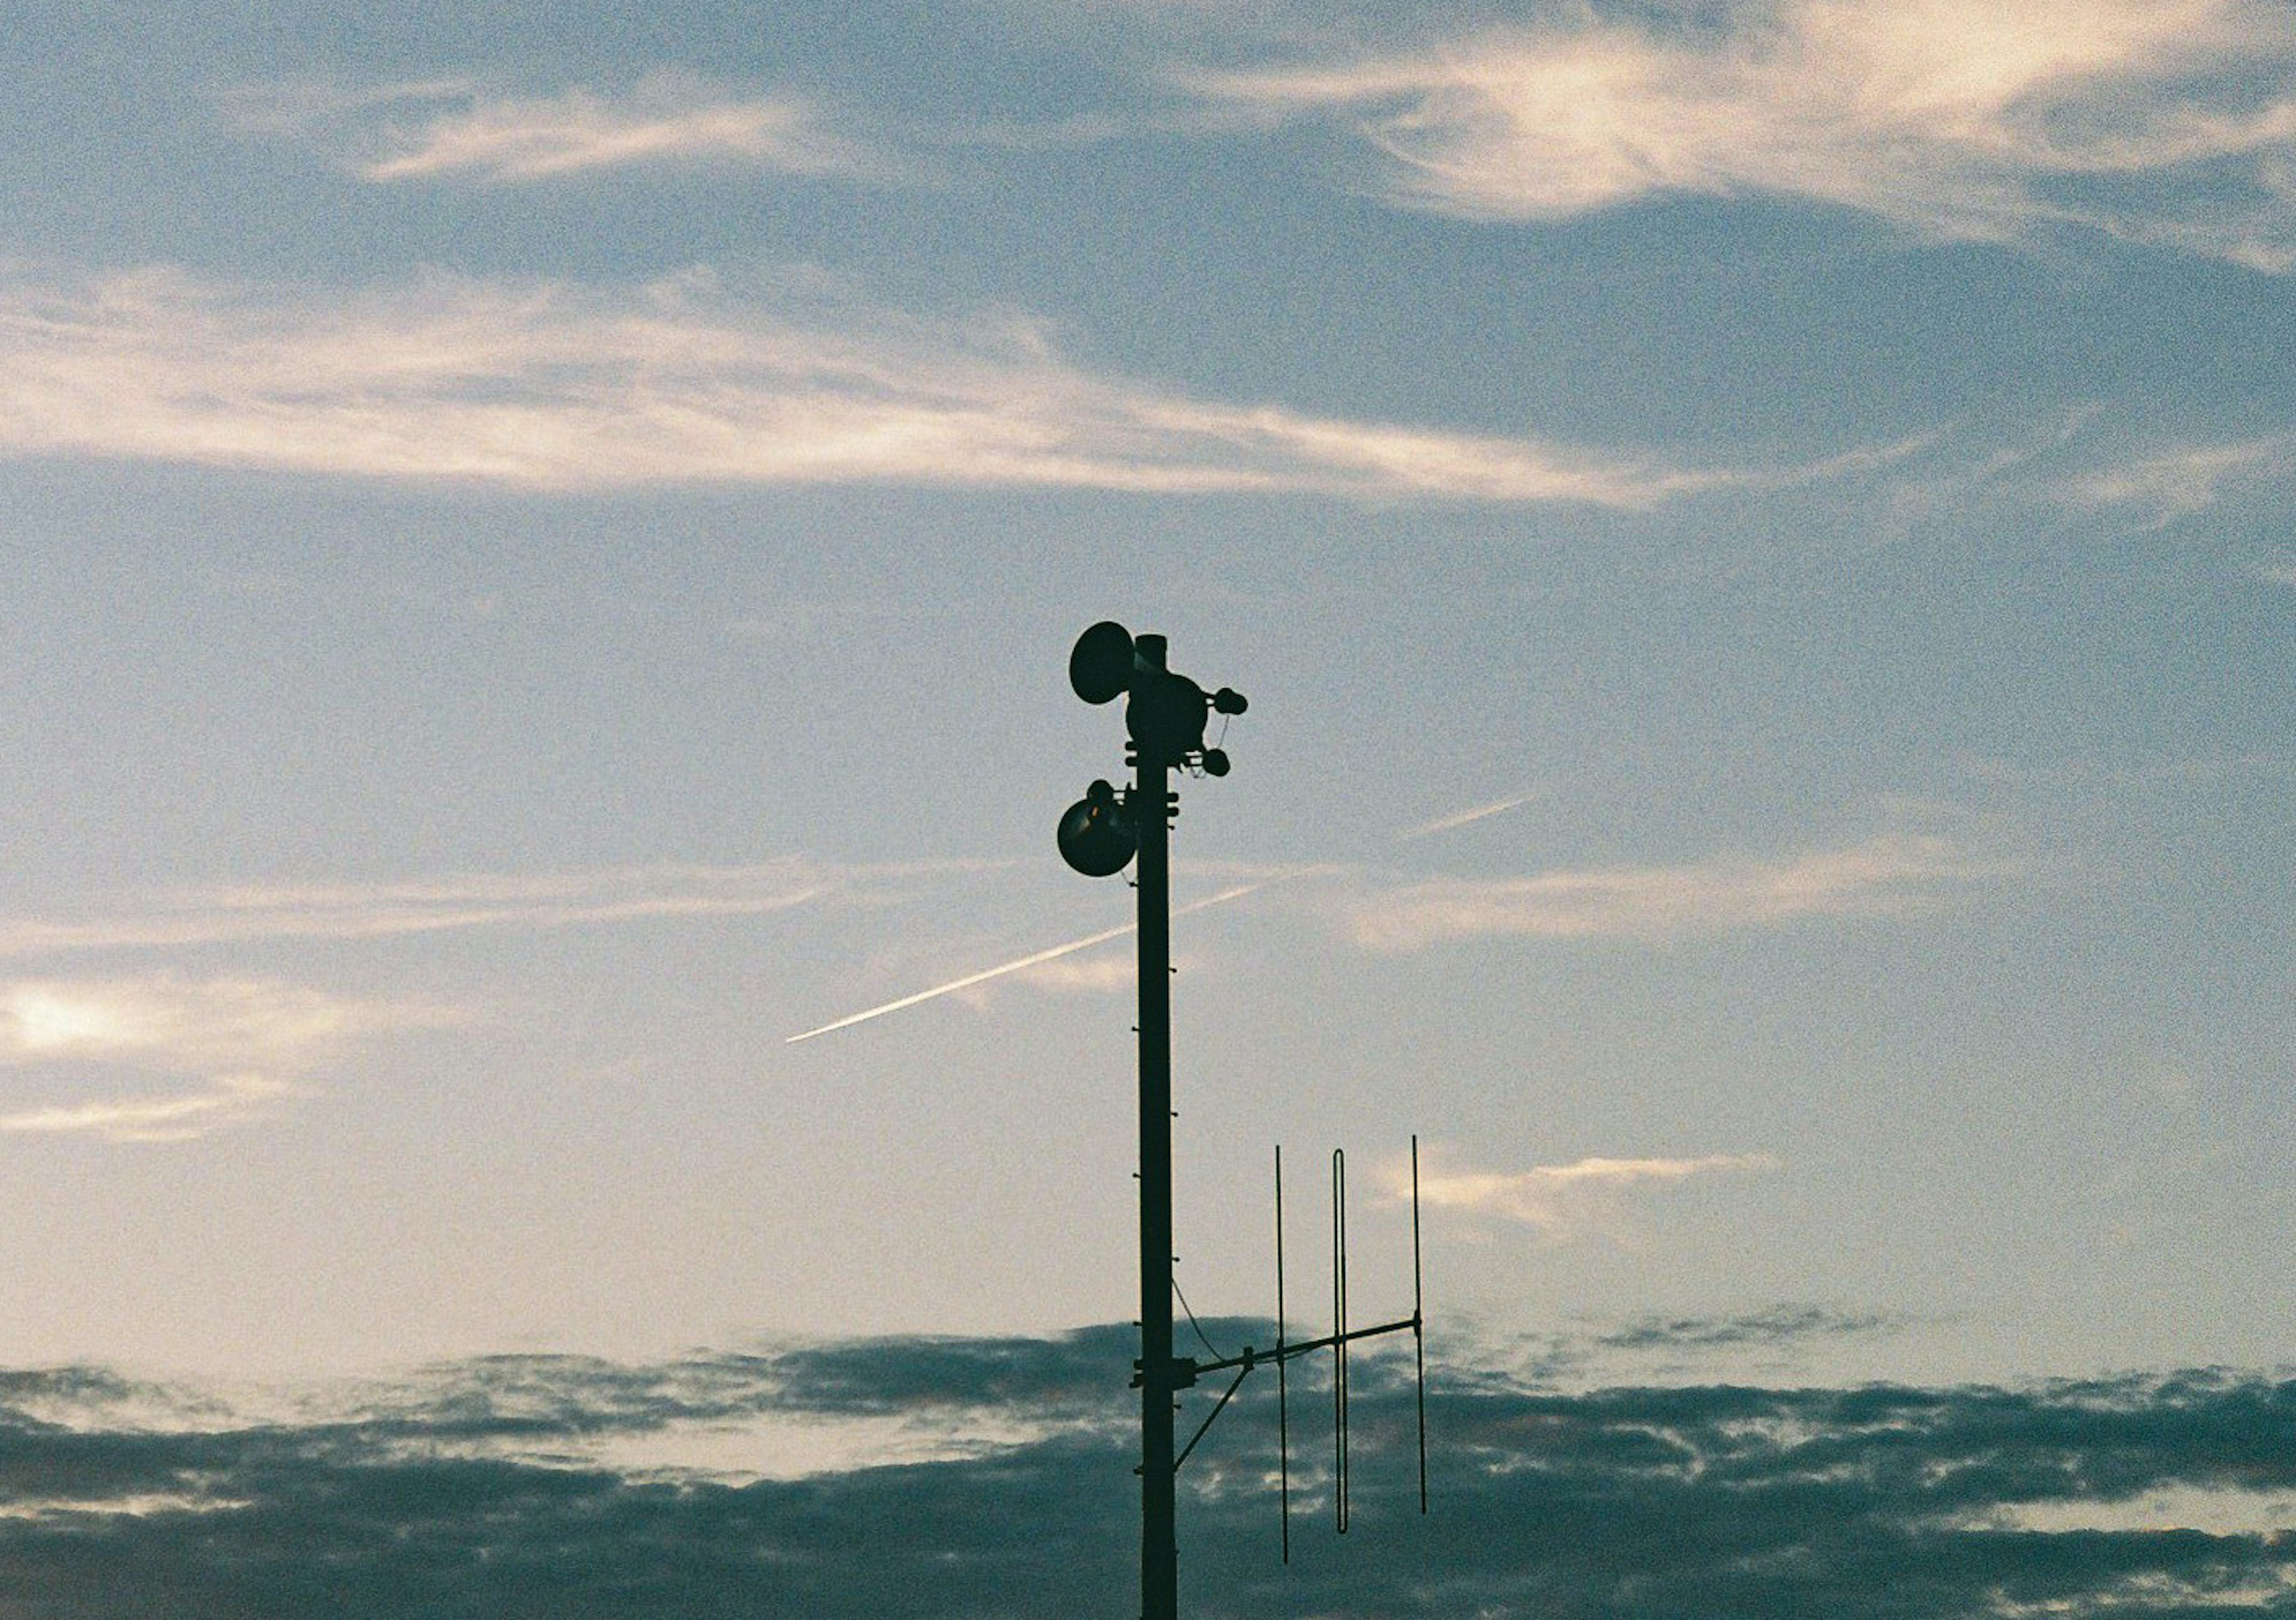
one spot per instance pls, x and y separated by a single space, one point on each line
987 973
1444 824
1425 830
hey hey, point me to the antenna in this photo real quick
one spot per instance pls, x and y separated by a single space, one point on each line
1165 716
1282 1405
1337 1342
1340 1339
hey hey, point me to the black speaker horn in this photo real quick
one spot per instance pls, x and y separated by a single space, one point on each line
1096 836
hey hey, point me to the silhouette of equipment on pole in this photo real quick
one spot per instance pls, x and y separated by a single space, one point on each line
1165 716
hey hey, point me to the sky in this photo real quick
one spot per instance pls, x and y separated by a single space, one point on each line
542 545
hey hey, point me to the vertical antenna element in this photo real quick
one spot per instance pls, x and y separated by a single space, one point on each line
1418 1322
1283 1406
1340 1337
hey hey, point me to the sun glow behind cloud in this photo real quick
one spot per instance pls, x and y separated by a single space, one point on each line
223 1048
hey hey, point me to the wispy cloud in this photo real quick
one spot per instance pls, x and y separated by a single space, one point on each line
1559 1199
353 911
2168 121
664 119
1892 875
2163 485
550 387
459 128
226 1048
231 1100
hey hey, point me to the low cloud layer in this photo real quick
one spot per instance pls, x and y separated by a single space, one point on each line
553 388
2164 121
439 1496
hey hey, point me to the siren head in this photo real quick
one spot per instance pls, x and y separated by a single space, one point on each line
1096 835
1101 665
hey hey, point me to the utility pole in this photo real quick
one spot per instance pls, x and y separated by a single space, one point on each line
1100 835
1160 1570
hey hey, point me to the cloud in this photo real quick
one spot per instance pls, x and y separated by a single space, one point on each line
181 1116
554 388
1892 875
1775 1326
2165 485
355 911
1560 1198
458 129
2167 121
1911 1503
232 1039
664 119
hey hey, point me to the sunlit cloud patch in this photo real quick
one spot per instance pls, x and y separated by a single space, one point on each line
1559 1200
551 387
210 1053
323 910
2166 121
456 129
1892 875
2163 485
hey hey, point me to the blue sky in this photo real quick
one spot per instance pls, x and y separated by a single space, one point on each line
543 542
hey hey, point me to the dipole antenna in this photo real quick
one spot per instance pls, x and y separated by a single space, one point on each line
1165 717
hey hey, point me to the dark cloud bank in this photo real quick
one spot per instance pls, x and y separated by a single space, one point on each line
463 1492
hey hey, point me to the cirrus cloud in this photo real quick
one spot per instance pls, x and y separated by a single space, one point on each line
550 387
460 128
1891 875
220 1051
1560 1199
2168 121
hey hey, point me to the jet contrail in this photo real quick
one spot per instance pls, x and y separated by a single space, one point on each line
987 973
1425 830
1444 824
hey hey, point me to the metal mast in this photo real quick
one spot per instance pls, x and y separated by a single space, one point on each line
1100 835
1165 717
1159 1573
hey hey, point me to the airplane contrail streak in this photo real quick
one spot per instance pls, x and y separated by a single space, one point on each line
1423 830
987 973
1444 824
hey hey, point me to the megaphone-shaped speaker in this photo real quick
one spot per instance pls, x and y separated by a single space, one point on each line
1096 837
1101 665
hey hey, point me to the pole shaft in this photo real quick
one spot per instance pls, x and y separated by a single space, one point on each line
1160 1581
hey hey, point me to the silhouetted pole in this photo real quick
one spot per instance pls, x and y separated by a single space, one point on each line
1160 1571
1100 835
